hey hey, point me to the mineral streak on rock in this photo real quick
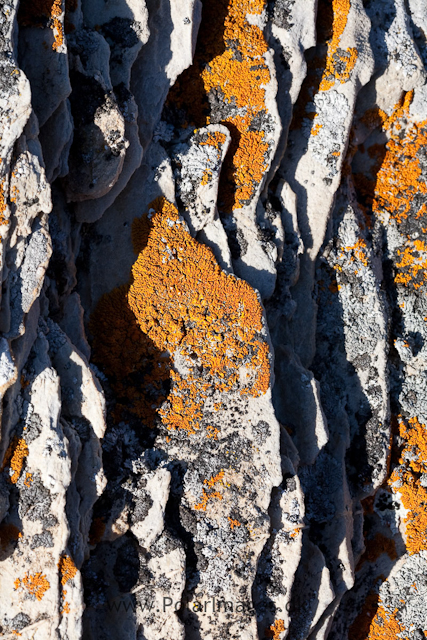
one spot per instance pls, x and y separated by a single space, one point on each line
213 319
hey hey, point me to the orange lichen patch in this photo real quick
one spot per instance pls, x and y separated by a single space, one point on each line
234 523
339 62
374 117
206 496
316 128
406 480
214 139
212 432
66 608
180 301
3 203
415 435
359 251
211 318
207 177
334 65
359 629
412 267
35 585
210 483
9 534
14 458
28 479
385 626
67 569
229 63
276 629
399 177
400 110
40 13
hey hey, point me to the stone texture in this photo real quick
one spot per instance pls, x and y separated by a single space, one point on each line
213 319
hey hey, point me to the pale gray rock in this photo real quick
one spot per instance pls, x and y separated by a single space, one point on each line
124 26
41 480
291 31
197 169
15 94
99 145
92 210
281 555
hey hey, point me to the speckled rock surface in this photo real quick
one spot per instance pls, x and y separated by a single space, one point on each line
213 319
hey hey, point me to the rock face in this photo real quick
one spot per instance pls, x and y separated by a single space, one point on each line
213 319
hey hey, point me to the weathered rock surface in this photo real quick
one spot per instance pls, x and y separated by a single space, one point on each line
213 319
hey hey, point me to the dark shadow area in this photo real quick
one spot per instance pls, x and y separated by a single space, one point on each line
109 576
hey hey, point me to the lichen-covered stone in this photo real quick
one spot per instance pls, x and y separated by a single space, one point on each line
213 319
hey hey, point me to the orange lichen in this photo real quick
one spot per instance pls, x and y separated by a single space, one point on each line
233 523
66 608
331 64
385 626
37 12
359 250
3 203
210 483
339 62
413 264
201 506
15 458
207 177
28 479
374 117
209 317
214 139
180 301
212 432
406 480
36 585
399 187
398 179
276 629
67 569
229 63
138 370
359 629
316 128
